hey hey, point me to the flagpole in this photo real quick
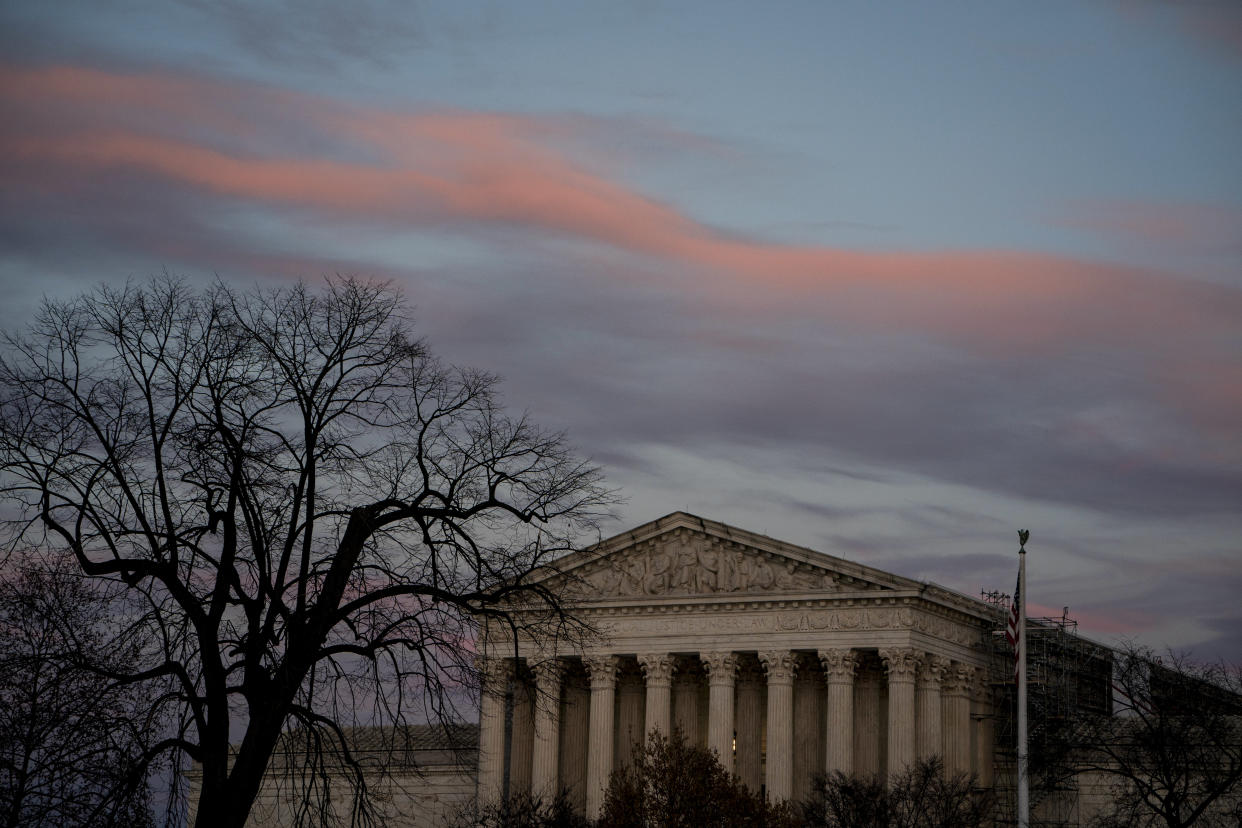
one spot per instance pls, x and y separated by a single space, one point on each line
1024 794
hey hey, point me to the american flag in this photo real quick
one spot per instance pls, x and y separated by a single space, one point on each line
1011 629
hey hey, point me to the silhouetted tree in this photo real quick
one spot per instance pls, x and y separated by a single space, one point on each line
678 785
1172 749
69 750
922 797
313 513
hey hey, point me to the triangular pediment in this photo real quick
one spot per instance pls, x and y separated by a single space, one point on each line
684 555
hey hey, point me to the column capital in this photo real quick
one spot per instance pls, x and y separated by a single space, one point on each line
603 670
933 670
548 674
657 667
779 665
901 663
721 667
840 665
959 679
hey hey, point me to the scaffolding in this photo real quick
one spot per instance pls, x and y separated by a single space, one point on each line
1068 678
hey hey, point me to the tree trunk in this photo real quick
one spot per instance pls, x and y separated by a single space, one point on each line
226 801
212 794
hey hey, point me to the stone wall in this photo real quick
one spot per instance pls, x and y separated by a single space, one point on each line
425 780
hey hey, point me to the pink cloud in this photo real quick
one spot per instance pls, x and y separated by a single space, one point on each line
451 168
1215 24
1183 226
1218 25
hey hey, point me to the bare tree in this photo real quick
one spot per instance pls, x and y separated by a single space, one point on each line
1173 746
314 514
69 749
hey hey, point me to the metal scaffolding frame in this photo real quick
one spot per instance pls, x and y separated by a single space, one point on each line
1067 677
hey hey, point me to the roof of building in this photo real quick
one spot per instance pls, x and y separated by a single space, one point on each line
408 745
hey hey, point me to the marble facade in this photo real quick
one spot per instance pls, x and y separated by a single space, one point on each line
785 661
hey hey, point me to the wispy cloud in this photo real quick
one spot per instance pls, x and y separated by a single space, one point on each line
1191 228
624 262
446 168
202 152
316 32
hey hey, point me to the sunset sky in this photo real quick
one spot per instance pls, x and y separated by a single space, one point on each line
890 280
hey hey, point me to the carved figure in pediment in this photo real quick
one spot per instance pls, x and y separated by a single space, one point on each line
791 577
707 571
785 575
757 573
687 570
659 571
727 577
607 580
788 577
692 566
633 574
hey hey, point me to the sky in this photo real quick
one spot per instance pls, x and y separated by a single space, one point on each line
889 280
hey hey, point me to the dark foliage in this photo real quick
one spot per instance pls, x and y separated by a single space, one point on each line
678 785
524 811
922 797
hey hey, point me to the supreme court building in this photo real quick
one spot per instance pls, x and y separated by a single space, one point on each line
785 661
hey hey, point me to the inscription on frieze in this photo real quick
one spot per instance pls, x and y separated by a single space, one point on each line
881 618
699 624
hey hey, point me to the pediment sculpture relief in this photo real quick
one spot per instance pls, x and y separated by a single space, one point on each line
699 567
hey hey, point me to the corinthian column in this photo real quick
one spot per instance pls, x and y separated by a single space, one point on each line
901 664
546 751
779 665
495 675
840 666
658 668
603 670
928 702
956 708
721 674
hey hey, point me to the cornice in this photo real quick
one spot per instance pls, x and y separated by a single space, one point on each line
718 604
